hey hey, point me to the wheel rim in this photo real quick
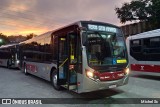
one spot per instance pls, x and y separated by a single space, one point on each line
55 80
25 70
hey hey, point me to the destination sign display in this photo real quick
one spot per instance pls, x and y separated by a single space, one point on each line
102 28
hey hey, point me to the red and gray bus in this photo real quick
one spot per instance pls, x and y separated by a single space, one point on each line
9 56
144 52
84 56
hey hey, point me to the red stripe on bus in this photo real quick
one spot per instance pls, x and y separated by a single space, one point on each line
32 68
108 76
145 68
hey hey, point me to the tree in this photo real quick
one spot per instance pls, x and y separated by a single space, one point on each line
30 36
155 13
140 10
3 39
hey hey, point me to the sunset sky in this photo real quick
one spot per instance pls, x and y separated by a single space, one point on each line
38 16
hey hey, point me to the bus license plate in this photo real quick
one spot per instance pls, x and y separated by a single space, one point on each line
112 86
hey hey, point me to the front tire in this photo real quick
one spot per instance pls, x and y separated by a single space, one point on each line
54 80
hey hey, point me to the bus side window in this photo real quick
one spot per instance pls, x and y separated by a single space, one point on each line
48 50
55 47
62 49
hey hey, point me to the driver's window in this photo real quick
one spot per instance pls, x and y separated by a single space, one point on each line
94 53
118 46
62 49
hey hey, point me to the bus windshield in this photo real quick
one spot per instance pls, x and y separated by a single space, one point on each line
105 48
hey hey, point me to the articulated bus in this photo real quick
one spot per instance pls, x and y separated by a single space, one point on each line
9 56
83 57
144 52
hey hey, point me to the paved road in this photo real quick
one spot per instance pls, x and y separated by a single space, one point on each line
14 84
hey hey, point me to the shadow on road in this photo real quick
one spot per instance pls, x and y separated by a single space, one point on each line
96 97
9 68
101 93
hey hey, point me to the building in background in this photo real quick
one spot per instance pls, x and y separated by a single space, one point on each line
16 39
136 28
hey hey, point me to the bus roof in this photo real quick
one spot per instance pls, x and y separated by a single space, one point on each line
85 22
78 23
8 45
38 37
152 33
97 22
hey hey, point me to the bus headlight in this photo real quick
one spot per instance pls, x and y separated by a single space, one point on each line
89 73
17 61
126 70
92 74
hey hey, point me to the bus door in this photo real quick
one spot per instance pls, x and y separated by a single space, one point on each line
62 67
67 75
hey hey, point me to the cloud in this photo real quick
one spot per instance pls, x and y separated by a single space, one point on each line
20 15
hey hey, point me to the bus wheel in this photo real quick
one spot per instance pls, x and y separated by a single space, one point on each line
54 80
25 70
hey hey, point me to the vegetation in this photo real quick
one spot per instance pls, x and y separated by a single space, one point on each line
4 39
30 36
140 10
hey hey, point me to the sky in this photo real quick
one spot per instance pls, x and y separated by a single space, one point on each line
22 17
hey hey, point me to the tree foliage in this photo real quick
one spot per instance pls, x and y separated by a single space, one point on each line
140 10
30 36
4 39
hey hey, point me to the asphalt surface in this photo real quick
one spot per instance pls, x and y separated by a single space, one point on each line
14 84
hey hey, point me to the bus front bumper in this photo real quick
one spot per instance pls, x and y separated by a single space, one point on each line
91 85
